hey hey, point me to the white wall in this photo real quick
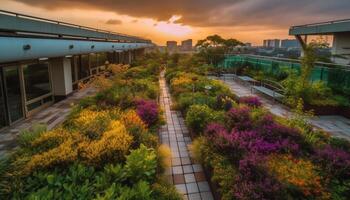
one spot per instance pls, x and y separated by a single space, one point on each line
61 74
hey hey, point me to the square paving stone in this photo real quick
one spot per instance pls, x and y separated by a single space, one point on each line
175 161
195 196
207 196
177 170
203 186
197 168
181 188
192 188
185 161
199 176
179 179
187 169
189 178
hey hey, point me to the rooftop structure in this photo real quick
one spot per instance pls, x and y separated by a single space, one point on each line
339 29
43 61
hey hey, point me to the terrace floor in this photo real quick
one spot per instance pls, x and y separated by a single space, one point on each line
187 175
336 125
51 116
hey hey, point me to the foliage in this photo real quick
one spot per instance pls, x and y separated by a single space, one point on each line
26 137
300 176
251 101
105 149
148 111
199 116
164 157
141 164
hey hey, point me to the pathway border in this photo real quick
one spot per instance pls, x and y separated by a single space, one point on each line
187 175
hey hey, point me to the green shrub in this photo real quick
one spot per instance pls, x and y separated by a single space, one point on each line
26 137
187 99
199 116
141 164
162 190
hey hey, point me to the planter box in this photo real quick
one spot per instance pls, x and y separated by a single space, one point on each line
328 110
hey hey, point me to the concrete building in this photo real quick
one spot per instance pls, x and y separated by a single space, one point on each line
171 45
186 45
339 29
274 43
289 44
43 61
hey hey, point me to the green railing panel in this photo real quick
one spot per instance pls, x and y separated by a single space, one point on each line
338 78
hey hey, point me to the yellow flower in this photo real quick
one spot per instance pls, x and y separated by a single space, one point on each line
113 144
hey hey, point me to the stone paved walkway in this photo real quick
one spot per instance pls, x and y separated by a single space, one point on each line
187 175
51 116
336 125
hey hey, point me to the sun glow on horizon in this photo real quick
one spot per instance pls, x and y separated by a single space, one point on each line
172 28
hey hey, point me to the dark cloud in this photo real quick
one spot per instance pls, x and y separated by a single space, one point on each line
204 13
114 22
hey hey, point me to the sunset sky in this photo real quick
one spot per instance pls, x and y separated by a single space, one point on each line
162 20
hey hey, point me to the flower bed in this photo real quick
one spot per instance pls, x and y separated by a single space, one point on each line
107 149
251 153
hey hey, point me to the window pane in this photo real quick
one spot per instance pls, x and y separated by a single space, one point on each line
84 67
102 58
13 91
36 80
2 106
93 60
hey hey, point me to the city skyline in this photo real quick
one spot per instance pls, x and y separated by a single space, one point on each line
252 21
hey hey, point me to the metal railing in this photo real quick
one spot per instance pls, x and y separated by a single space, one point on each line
320 64
322 23
67 24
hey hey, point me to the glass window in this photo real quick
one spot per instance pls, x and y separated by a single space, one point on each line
84 70
74 67
111 57
13 93
36 80
2 106
102 58
93 60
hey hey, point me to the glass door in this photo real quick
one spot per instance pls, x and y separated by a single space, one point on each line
2 105
12 88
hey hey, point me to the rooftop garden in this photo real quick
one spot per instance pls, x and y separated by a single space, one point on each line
107 149
250 153
329 95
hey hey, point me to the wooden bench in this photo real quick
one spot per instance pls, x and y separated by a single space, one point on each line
270 88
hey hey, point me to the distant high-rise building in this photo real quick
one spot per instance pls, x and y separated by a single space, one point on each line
171 45
275 43
290 44
186 45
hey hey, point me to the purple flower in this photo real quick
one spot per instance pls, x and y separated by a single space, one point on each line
239 118
250 101
214 129
334 161
148 111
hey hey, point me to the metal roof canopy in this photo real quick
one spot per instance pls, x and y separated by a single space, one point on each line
15 22
323 28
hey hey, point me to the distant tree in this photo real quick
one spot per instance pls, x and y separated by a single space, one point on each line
214 47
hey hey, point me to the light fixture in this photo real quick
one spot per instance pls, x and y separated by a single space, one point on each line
26 47
42 59
68 56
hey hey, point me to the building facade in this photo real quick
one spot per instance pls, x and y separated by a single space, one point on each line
288 44
171 45
37 70
275 43
187 45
